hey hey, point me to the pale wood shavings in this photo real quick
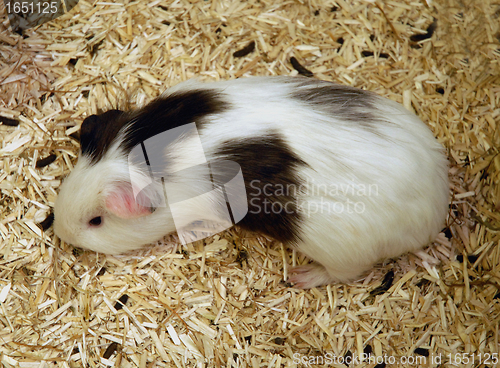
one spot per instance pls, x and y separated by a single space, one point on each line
222 301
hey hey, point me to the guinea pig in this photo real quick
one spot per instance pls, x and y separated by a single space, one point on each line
343 175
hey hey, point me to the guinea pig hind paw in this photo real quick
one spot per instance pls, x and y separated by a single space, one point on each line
309 276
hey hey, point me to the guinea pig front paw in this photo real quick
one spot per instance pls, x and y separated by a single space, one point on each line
309 276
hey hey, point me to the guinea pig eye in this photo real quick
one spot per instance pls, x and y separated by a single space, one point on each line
96 221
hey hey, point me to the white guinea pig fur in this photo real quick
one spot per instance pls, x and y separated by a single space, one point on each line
371 179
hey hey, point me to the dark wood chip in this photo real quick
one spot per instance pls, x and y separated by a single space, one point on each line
110 350
8 121
423 352
430 31
386 284
121 302
347 358
368 53
298 67
241 257
45 224
45 161
279 341
245 50
368 349
471 258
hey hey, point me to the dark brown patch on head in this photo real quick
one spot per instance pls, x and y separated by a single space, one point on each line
269 170
99 131
170 112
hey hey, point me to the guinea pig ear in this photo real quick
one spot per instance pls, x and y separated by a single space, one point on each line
122 202
98 131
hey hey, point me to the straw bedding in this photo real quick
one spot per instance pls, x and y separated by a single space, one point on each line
222 301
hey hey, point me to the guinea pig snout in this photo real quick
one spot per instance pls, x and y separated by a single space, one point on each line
63 231
67 238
